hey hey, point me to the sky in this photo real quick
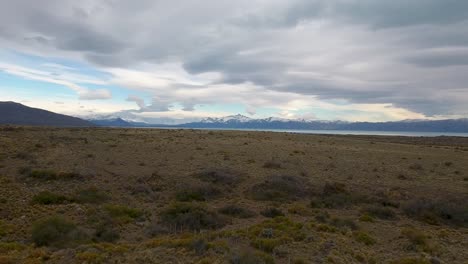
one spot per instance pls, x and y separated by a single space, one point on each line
180 61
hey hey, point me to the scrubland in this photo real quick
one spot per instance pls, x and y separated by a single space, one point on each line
102 195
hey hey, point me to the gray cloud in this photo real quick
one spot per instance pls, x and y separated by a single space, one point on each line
364 51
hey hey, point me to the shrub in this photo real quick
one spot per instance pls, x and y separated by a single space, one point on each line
220 176
105 233
366 218
91 196
3 229
364 238
248 256
123 213
416 237
200 193
272 212
411 261
56 231
272 165
236 211
335 195
192 217
380 212
47 197
49 175
280 188
446 211
344 223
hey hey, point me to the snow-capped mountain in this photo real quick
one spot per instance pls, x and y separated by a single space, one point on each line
244 122
232 118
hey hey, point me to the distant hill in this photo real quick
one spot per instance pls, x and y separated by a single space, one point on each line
118 122
12 113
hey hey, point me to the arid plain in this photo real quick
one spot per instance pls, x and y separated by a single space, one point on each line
102 195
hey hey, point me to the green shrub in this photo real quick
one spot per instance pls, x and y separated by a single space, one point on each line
236 211
280 188
192 217
123 213
364 238
272 212
47 197
56 231
91 196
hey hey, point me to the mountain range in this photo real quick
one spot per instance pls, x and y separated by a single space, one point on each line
17 114
244 122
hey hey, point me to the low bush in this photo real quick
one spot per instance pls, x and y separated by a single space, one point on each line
90 196
335 195
105 233
123 213
180 216
380 212
57 232
198 193
344 223
411 261
272 165
364 238
443 211
236 211
47 197
280 188
221 176
248 256
272 212
50 175
415 237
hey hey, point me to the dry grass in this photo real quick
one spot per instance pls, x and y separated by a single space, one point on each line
187 196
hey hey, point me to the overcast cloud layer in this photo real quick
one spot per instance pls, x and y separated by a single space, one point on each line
388 60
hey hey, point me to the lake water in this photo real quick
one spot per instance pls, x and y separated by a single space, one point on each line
345 132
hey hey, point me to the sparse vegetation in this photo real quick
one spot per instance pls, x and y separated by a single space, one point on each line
280 188
272 212
56 231
123 213
198 193
50 175
221 176
333 199
91 196
236 211
47 197
363 237
380 212
440 211
180 216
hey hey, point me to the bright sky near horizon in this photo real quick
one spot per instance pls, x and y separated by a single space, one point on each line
155 61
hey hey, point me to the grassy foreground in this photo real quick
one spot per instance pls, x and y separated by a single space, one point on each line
183 196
